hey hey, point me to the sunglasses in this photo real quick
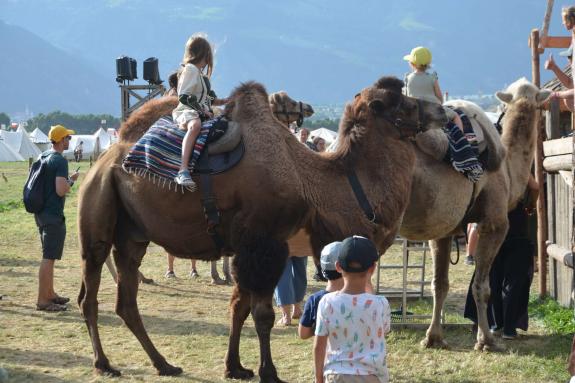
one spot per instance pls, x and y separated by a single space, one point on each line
68 138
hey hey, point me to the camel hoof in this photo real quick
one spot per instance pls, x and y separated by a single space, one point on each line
239 373
218 281
106 370
434 342
169 370
271 379
487 347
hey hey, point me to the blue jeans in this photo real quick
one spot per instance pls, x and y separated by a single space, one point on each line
293 282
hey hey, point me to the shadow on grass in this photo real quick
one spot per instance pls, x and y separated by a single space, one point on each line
19 262
25 375
154 324
16 274
55 359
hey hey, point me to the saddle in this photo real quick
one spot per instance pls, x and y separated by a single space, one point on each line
480 130
157 154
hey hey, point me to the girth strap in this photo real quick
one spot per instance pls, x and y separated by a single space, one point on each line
361 197
211 211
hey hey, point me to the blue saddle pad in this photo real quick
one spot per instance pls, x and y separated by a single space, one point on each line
158 154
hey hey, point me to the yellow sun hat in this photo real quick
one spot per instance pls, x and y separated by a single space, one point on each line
58 132
419 56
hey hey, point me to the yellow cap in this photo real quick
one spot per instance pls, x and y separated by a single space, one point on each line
419 56
58 132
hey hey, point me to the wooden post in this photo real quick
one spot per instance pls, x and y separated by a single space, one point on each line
545 28
541 211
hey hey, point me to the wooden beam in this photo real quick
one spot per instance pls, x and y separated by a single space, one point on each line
539 178
558 146
545 28
555 42
555 163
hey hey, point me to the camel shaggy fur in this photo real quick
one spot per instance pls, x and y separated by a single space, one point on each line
263 201
442 201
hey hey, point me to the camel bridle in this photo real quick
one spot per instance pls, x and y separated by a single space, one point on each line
414 127
287 113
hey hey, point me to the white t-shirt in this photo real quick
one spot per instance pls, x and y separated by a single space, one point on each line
355 326
191 82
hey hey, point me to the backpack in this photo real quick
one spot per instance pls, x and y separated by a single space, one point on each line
33 194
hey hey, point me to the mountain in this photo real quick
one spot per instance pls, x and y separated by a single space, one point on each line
319 51
38 75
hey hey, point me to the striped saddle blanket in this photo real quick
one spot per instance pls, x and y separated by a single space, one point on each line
158 153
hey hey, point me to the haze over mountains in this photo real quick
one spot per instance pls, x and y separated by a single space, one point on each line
61 54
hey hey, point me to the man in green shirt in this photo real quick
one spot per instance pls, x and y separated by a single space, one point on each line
50 221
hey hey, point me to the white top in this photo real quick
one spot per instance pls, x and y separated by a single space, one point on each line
191 82
355 326
421 85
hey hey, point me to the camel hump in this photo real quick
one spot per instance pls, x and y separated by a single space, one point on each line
488 138
143 118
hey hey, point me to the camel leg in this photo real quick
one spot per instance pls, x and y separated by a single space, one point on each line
216 280
491 237
128 255
240 309
92 262
226 270
264 317
440 251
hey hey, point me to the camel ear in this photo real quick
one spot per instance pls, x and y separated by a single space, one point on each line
377 106
504 97
542 96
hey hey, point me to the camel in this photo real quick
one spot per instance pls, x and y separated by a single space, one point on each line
442 201
286 110
279 186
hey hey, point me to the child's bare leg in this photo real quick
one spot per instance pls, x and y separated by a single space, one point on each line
193 130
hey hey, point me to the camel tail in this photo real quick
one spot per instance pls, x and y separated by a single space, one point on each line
141 119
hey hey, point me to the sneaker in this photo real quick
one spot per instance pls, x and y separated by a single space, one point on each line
469 260
184 178
170 274
194 274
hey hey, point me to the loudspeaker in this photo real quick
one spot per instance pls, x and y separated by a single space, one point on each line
151 71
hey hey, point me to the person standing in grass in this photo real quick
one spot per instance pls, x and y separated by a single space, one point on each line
349 345
51 221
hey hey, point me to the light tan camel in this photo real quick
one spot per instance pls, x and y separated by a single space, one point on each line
442 201
263 200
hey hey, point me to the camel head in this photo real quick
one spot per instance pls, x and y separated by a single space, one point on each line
287 110
389 108
522 89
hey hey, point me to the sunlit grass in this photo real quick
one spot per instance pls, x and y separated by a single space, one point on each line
188 321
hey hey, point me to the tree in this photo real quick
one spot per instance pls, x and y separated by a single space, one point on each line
81 124
4 119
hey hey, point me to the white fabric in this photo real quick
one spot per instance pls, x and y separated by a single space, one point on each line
355 326
7 154
104 139
38 137
91 146
329 136
421 85
21 143
191 83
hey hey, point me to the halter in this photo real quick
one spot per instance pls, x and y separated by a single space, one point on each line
400 123
287 113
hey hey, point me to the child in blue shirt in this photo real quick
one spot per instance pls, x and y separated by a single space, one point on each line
328 258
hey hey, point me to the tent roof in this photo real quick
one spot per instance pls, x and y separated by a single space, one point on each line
328 135
21 143
7 154
105 139
38 137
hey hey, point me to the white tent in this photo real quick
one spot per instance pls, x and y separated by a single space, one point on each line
21 143
38 137
91 146
7 154
328 135
104 139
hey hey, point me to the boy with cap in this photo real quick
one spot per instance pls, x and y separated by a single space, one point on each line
351 324
50 221
328 259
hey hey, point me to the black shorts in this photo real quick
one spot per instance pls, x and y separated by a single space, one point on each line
52 229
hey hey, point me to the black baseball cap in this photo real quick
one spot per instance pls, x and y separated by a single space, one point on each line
357 254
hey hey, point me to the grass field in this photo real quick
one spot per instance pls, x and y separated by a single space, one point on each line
188 322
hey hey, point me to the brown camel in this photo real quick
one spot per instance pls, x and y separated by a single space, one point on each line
442 201
277 187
